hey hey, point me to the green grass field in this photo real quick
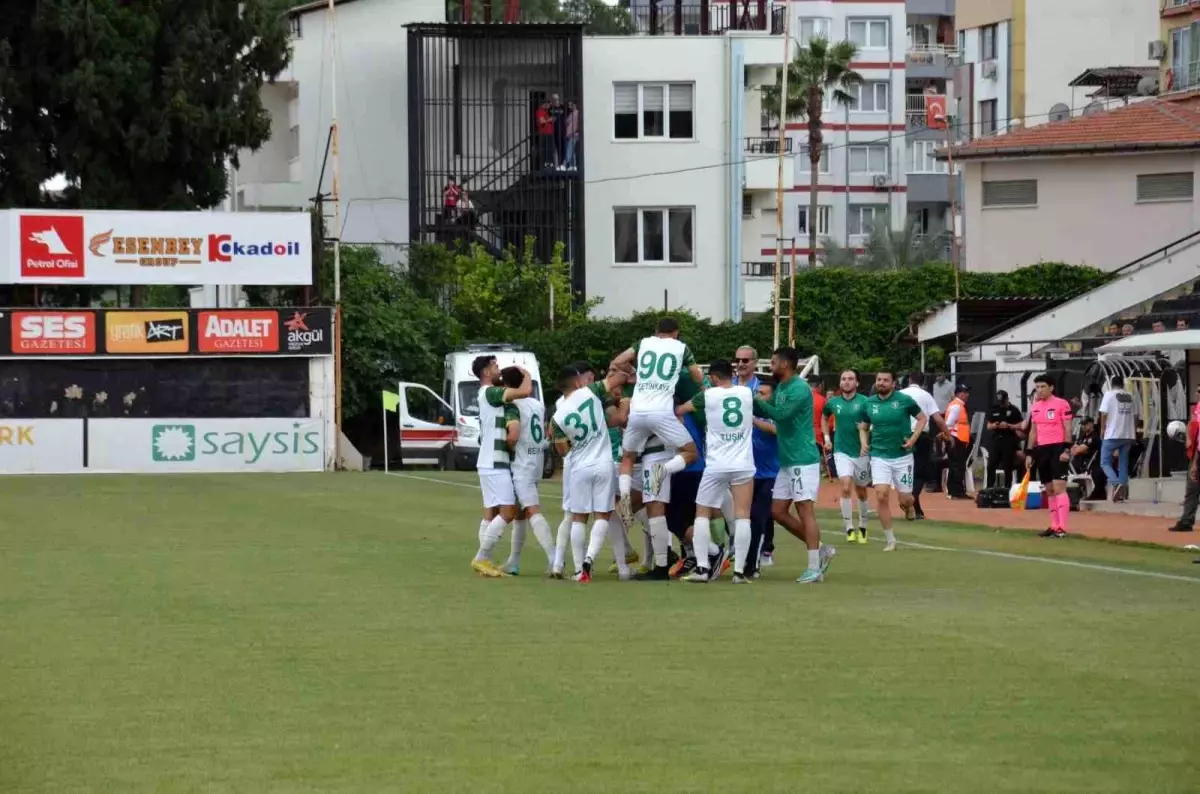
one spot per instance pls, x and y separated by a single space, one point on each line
324 633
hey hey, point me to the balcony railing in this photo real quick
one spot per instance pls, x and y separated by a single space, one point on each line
1184 78
914 111
766 269
932 54
674 18
767 145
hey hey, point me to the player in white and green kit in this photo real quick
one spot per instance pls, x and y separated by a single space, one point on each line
892 434
850 460
580 426
659 362
527 440
494 463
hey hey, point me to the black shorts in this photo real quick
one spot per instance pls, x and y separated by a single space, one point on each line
681 510
1047 463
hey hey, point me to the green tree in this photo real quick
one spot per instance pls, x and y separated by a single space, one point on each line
888 249
599 18
821 69
531 10
138 104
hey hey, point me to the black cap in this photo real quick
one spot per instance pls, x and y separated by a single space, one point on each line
962 387
1001 394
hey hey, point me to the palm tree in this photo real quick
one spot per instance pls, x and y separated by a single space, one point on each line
889 249
821 69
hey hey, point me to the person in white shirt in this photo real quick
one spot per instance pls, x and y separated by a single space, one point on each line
1118 429
943 391
923 449
726 413
527 441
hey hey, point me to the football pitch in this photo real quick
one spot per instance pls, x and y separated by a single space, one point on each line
267 633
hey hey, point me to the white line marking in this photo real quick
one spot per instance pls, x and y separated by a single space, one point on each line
927 547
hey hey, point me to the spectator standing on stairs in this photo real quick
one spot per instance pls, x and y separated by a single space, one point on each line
572 133
558 115
544 123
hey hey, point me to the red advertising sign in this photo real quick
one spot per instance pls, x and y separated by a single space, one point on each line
48 333
51 246
238 332
935 111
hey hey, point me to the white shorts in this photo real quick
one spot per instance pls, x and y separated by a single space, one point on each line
592 489
526 489
566 485
715 485
894 472
797 483
663 424
643 482
857 468
497 485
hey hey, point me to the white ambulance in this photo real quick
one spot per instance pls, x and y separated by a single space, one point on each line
444 431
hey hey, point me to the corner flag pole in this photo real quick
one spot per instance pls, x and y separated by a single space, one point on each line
383 410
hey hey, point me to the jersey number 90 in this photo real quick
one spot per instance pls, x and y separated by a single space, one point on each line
664 366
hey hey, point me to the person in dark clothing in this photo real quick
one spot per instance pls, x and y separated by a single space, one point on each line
923 449
1004 423
1084 459
558 117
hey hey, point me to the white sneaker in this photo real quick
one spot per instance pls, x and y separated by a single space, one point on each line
890 546
625 575
766 561
826 556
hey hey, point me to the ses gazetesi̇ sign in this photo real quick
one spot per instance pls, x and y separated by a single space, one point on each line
119 247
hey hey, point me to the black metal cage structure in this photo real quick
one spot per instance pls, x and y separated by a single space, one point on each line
495 155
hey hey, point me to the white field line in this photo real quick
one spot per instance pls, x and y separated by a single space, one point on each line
925 546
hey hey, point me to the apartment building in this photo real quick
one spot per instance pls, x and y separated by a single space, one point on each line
370 57
1178 45
1019 57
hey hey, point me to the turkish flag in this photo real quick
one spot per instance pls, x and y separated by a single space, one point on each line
935 111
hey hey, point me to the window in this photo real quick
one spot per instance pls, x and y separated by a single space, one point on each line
823 214
294 23
652 110
987 43
653 236
747 205
870 97
921 36
1166 187
806 161
868 159
864 217
813 27
293 151
869 33
987 117
962 43
1010 193
921 159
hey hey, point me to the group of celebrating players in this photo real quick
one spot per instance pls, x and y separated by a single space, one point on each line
622 438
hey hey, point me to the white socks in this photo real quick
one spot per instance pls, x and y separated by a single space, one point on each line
674 465
863 507
578 540
847 515
596 542
518 541
647 545
741 544
560 543
493 533
701 541
660 540
620 546
889 536
541 531
814 559
625 485
483 525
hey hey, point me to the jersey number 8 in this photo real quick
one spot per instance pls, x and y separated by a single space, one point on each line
732 415
665 366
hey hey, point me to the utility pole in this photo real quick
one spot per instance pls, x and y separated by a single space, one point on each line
783 97
331 20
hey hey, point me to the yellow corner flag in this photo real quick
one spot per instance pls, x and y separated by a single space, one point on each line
391 401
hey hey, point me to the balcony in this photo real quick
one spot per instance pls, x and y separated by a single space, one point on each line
702 17
766 269
931 60
928 188
1183 78
916 120
272 196
939 8
762 163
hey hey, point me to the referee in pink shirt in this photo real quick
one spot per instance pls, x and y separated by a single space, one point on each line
1049 433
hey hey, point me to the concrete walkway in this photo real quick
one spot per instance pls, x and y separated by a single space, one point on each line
1145 529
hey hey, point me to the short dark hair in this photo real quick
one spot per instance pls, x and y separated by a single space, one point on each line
1117 382
512 377
668 325
582 368
915 378
887 372
481 363
566 378
721 368
1046 379
816 380
789 355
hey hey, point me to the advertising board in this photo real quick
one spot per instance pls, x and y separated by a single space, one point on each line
205 445
27 333
41 446
128 247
